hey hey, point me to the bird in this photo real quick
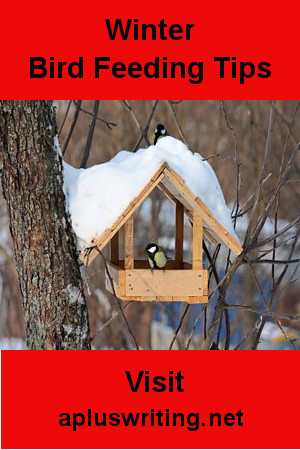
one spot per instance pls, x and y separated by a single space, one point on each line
156 256
159 133
214 346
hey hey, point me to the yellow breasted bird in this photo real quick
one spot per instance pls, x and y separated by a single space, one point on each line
156 256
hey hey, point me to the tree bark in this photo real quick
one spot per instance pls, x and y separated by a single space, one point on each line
55 311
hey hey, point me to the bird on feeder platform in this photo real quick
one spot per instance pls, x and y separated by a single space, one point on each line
159 133
156 256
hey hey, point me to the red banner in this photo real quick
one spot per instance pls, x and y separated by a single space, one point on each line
111 399
254 38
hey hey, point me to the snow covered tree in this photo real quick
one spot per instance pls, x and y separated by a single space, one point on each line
55 310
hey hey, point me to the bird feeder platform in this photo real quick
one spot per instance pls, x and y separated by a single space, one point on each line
169 285
179 281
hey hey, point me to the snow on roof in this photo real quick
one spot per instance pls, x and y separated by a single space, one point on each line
97 196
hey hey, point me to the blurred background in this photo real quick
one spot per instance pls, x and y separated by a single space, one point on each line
224 133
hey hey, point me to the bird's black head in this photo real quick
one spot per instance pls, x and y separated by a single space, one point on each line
159 132
151 249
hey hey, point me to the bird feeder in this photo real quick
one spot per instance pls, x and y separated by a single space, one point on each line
179 281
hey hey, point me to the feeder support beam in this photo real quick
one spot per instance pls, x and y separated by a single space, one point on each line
197 241
114 249
129 247
179 235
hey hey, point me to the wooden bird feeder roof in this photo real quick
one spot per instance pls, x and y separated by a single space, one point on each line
175 188
179 281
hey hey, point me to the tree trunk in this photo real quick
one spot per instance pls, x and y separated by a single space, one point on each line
55 311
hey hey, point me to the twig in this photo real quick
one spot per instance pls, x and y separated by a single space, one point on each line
275 288
237 161
269 206
146 128
258 285
276 235
203 310
210 157
136 121
118 300
211 269
212 262
265 312
65 117
244 210
108 124
261 176
274 261
73 124
179 326
180 130
110 320
291 342
91 132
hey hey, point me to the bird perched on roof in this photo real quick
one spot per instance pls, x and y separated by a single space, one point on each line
156 256
159 133
214 346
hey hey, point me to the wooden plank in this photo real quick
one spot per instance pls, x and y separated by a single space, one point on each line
205 282
164 283
114 249
186 299
143 264
179 230
128 243
119 280
197 241
208 218
193 300
122 282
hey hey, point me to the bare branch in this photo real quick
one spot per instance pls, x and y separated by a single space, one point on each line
118 300
73 124
264 312
136 121
65 117
89 140
179 128
262 173
108 124
146 128
179 326
114 315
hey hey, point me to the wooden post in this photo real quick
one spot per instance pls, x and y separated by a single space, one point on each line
179 230
114 249
129 247
197 241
